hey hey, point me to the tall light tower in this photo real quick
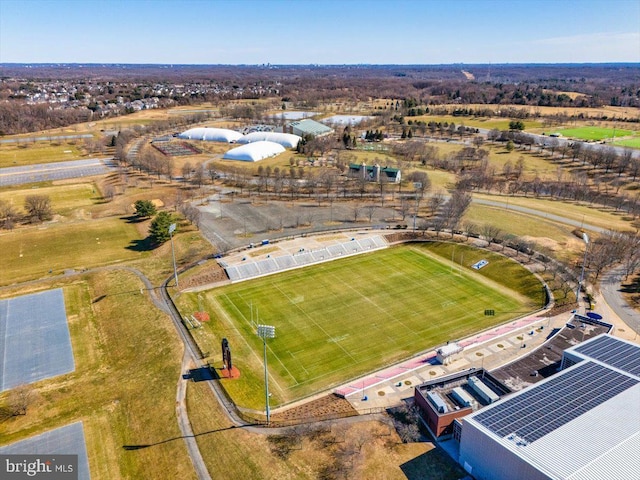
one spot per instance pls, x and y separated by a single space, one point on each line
417 186
264 332
172 228
585 237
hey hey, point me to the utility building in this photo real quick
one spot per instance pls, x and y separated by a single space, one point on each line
581 424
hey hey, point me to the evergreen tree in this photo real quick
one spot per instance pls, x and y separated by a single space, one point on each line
145 208
159 229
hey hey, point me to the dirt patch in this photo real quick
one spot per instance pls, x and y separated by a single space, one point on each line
214 274
330 405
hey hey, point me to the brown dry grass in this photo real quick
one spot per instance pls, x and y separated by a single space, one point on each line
238 453
127 359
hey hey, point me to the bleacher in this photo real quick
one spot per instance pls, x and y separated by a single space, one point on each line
302 258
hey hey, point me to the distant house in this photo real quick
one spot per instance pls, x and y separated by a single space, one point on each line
375 173
308 127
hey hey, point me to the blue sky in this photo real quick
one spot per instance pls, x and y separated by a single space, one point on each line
319 31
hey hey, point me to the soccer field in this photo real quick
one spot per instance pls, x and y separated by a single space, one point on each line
337 320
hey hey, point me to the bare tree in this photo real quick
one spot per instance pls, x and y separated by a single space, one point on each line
18 401
8 215
435 202
38 208
356 210
370 209
490 233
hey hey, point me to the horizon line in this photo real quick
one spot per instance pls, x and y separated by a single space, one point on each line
317 64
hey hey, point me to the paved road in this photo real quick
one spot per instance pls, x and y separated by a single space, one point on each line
44 138
538 213
185 424
55 171
610 288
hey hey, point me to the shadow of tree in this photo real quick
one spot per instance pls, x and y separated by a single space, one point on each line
134 219
631 287
143 245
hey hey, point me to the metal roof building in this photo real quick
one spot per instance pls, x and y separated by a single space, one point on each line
580 424
309 127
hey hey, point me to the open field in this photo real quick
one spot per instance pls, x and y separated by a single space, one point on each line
241 454
599 217
476 122
52 248
12 155
593 133
127 359
516 223
587 112
628 142
340 319
64 198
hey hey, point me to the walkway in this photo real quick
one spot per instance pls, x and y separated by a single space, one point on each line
489 349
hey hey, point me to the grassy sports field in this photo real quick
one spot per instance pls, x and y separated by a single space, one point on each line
594 133
628 142
340 319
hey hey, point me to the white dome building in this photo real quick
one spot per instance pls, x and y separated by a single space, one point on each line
255 151
211 134
287 140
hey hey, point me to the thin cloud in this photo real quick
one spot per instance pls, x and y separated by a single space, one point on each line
611 39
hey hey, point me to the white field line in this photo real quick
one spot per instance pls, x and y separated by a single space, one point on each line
297 305
230 322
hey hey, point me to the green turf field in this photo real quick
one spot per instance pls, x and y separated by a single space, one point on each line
340 319
594 133
628 142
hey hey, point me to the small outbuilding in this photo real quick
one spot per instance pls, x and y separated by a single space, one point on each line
254 152
208 134
287 140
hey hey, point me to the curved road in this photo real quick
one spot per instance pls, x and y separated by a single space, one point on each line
538 213
192 355
610 288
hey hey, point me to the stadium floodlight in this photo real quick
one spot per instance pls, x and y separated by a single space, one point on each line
585 238
264 332
172 228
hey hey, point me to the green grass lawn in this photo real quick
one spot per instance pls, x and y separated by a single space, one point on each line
17 155
65 199
593 133
33 253
628 142
341 319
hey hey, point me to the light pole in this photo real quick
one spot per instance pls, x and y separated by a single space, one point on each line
417 186
172 229
585 237
264 332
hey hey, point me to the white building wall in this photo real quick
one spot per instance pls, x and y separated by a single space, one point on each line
485 459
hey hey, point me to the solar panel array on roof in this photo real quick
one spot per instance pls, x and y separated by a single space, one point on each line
541 410
611 351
